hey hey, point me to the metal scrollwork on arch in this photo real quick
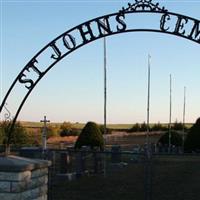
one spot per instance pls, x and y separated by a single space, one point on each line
7 115
143 5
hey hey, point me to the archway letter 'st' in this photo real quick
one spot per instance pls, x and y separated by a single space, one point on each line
70 41
115 23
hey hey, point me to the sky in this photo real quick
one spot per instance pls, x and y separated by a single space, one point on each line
73 89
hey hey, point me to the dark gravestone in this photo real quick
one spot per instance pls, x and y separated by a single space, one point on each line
80 164
97 156
31 152
116 154
64 162
2 148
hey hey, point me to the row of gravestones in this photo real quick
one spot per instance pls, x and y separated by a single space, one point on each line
63 158
35 152
160 149
80 163
165 149
95 158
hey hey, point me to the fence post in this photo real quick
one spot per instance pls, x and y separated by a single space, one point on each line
148 177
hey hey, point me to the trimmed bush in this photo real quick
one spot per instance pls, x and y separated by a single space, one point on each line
176 139
90 136
192 142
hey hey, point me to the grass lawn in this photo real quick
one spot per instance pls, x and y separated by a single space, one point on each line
120 185
176 177
173 178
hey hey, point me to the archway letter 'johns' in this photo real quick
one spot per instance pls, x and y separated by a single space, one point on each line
115 23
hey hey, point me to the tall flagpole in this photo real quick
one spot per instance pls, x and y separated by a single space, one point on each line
105 87
105 100
184 103
148 165
148 105
170 114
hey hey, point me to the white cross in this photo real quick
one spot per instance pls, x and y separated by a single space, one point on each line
44 135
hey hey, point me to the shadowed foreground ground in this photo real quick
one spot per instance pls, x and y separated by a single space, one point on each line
173 177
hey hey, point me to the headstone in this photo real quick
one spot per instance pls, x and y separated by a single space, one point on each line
64 162
35 153
97 157
62 145
52 158
116 154
31 152
80 164
155 148
44 133
136 150
180 150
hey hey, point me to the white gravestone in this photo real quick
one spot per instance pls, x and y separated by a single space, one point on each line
44 133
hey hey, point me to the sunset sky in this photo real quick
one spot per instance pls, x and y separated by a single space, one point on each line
73 89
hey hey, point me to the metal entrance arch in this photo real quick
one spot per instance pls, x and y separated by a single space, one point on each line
89 31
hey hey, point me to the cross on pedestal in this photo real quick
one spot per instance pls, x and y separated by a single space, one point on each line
44 133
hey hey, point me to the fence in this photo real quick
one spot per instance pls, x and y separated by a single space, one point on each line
120 175
95 175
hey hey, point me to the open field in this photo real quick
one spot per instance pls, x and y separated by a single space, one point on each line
81 125
125 140
75 125
128 140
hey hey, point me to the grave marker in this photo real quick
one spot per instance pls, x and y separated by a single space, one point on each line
44 133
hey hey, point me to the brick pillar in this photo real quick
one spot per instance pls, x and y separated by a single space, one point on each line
23 178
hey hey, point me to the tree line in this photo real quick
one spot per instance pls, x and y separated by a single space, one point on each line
177 126
32 136
92 134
